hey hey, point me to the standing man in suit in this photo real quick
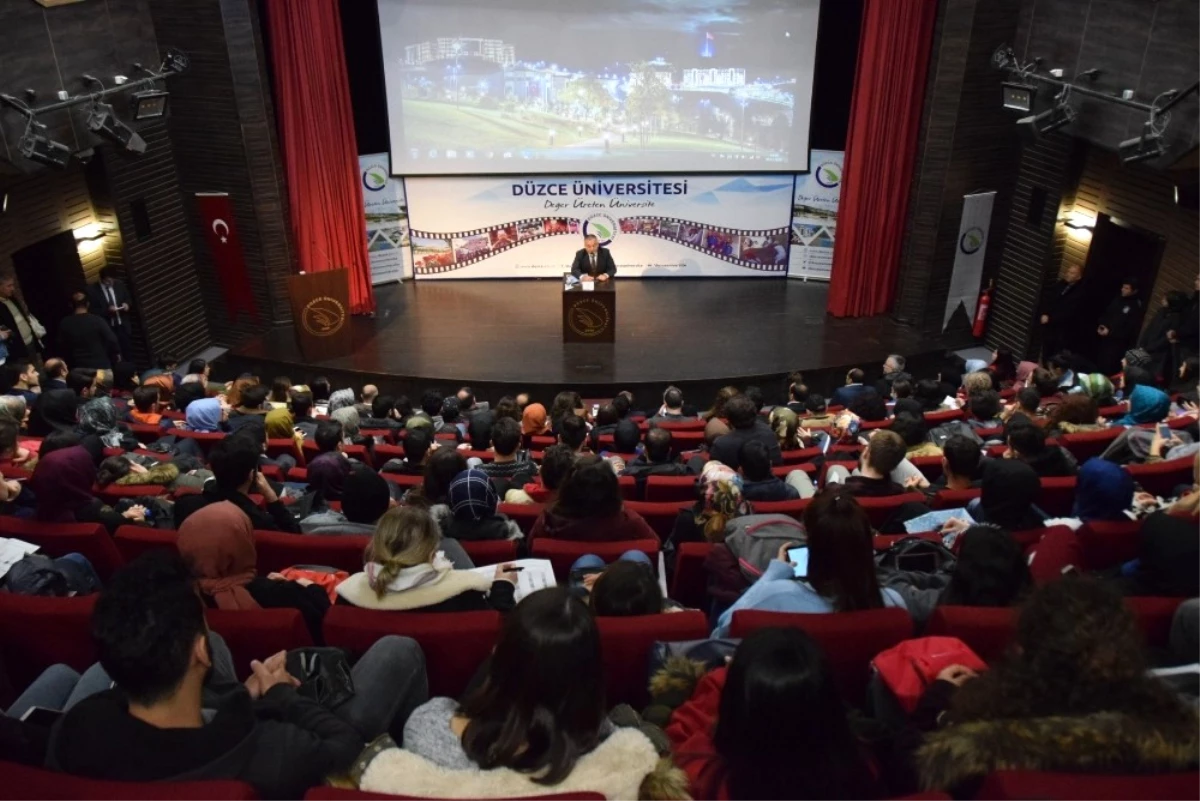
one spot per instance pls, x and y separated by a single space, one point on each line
21 332
110 300
593 260
1062 312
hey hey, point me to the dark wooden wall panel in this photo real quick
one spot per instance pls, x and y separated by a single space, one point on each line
223 125
41 206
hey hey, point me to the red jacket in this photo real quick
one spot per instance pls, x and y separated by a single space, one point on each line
691 732
626 525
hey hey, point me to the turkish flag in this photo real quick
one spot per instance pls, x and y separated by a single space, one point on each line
220 231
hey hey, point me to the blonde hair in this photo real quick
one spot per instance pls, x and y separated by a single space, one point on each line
977 382
405 536
786 423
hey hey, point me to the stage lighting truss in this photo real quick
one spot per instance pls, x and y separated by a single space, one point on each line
149 99
1021 88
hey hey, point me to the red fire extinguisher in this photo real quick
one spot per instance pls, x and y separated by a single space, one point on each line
981 311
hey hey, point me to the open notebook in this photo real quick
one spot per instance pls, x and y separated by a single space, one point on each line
537 575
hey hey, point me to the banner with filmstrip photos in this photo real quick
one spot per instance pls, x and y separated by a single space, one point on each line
686 226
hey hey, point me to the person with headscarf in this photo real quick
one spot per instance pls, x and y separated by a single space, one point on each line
534 422
219 542
406 568
327 474
62 483
206 416
473 500
1146 405
1104 493
1008 493
99 418
718 500
54 411
1098 387
341 399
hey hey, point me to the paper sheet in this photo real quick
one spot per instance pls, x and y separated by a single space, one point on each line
933 521
13 551
537 575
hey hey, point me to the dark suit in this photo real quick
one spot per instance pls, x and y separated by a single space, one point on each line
1064 305
17 347
85 340
120 322
847 395
604 263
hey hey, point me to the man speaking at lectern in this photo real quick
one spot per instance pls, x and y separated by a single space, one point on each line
593 261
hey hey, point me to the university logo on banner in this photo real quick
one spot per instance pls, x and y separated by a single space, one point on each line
814 216
387 219
968 256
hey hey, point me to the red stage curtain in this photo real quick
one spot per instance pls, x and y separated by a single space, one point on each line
316 133
885 120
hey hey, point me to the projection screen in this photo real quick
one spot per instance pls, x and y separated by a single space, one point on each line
624 86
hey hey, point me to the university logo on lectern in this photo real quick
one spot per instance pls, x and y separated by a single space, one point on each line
588 317
323 316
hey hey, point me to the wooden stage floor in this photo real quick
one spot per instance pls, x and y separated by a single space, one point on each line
509 332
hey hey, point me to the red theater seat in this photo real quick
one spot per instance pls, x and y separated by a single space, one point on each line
1086 444
1021 785
563 553
21 782
663 489
937 418
490 552
793 508
625 644
455 643
659 516
1057 498
930 466
404 481
1161 478
258 633
675 426
286 447
337 794
880 510
689 585
114 493
954 499
523 514
628 487
278 550
133 541
1108 544
800 456
147 433
850 639
206 440
60 539
782 470
37 632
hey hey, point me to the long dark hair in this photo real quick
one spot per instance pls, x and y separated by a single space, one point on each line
565 403
541 704
1078 652
841 563
991 570
440 469
590 490
781 728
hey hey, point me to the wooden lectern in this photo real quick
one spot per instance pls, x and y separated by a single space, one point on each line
589 311
321 313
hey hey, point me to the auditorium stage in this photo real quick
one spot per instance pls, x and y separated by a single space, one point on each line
505 335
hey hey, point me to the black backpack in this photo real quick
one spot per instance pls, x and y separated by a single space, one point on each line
916 554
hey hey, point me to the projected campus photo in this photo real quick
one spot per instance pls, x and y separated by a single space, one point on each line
514 86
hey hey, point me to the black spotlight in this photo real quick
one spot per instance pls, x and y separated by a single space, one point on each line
102 120
36 147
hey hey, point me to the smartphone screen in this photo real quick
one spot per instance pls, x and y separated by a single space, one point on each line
40 716
1164 432
799 557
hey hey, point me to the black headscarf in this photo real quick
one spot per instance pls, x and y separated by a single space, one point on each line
1167 557
1010 488
54 411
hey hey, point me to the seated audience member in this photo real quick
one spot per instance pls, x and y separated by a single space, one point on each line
1046 383
234 463
929 394
441 467
1103 493
566 404
572 432
417 445
22 378
536 723
1146 405
797 396
365 497
672 408
1060 366
98 418
1134 377
915 433
235 390
56 374
1184 383
185 396
627 439
351 424
985 408
739 727
623 403
841 566
321 390
1167 557
950 377
991 571
557 461
656 459
327 473
534 422
146 409
219 542
606 424
302 417
589 508
759 484
1076 676
382 414
509 467
341 399
980 381
883 454
507 407
1028 403
281 388
125 471
62 483
1077 413
280 425
960 465
818 412
745 428
473 500
1098 387
902 389
206 416
626 588
1008 492
15 452
452 420
786 425
893 371
715 421
479 430
869 407
177 712
366 398
844 396
1027 443
406 570
719 499
83 381
1003 368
